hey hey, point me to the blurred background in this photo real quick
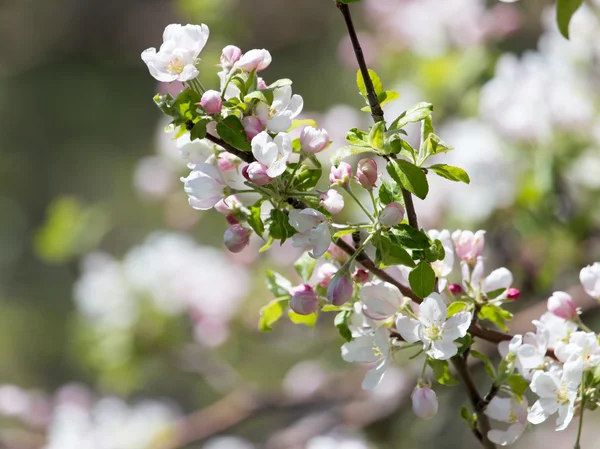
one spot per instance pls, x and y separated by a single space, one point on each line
123 322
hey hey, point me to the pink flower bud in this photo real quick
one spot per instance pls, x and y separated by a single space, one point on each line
562 305
366 173
424 402
455 289
313 140
252 126
228 205
236 238
513 294
340 289
468 246
332 201
304 301
256 173
227 162
231 54
360 276
254 60
260 83
392 214
340 175
211 102
325 273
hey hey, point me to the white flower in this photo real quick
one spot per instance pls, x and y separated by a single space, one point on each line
559 330
443 268
373 347
205 186
194 151
590 279
432 328
177 55
313 231
273 153
582 347
332 201
529 351
555 395
254 60
380 299
508 410
498 280
285 107
469 245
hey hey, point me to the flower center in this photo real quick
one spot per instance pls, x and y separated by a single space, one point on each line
512 417
433 333
562 396
377 351
175 66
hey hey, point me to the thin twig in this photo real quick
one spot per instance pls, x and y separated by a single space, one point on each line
410 209
243 155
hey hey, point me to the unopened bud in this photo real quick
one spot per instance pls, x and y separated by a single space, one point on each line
231 54
562 305
360 276
252 126
236 238
313 140
211 102
325 272
254 60
468 245
304 301
256 173
260 83
366 173
227 161
455 289
340 175
228 205
513 294
340 289
392 214
424 402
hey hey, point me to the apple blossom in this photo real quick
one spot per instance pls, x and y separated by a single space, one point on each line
272 152
559 330
313 231
227 162
529 351
424 402
254 60
332 201
256 173
228 205
211 102
582 348
590 280
562 305
372 347
360 276
283 110
230 55
340 175
194 151
252 126
205 186
236 238
176 58
366 173
304 301
325 272
443 268
509 410
432 328
381 300
313 140
498 280
340 289
468 245
392 214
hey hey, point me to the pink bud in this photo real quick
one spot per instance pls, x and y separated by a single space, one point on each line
424 402
360 276
260 83
455 289
392 214
513 294
332 201
340 289
227 162
231 54
340 175
325 273
366 173
304 301
252 126
562 305
236 238
313 140
254 60
468 245
228 205
211 102
256 173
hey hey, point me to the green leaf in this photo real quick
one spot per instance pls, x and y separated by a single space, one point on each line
357 137
409 176
517 384
441 371
489 368
417 113
199 130
280 228
495 293
296 145
468 416
505 369
271 313
304 122
410 238
304 266
278 284
422 279
267 245
231 130
389 192
464 343
280 83
341 323
387 96
450 172
360 82
264 95
307 320
496 315
342 233
347 151
435 252
456 307
331 307
564 12
254 219
306 179
376 135
390 251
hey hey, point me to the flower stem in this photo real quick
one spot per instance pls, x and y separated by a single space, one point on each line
582 405
583 326
355 198
373 201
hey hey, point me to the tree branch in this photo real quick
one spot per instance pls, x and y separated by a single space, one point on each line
243 155
410 209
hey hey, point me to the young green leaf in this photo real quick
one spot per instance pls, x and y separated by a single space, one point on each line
341 323
456 307
278 284
390 251
450 172
232 131
307 320
389 192
280 228
360 82
415 114
410 238
254 219
517 384
564 12
199 130
376 135
347 151
422 279
271 313
441 372
489 368
496 315
409 176
304 266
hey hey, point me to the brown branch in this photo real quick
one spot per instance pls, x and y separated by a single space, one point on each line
410 209
243 155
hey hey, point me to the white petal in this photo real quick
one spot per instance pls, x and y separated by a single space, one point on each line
408 328
499 409
295 106
457 325
498 279
545 385
537 414
433 310
565 415
373 377
189 72
360 350
442 350
279 124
